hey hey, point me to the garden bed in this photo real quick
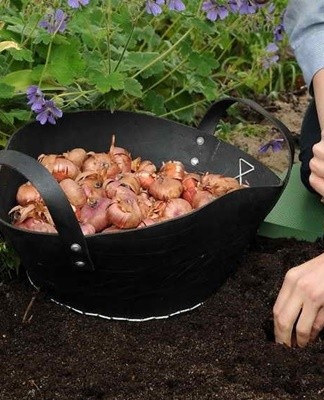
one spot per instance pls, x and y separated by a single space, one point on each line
223 349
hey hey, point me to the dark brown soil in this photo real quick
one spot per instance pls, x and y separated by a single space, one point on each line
224 349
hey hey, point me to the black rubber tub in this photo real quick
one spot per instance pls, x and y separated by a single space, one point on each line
138 274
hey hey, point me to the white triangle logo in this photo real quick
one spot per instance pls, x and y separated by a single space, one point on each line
243 164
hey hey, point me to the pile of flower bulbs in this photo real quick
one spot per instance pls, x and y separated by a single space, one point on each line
110 191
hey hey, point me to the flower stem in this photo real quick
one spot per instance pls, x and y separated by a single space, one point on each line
175 95
172 112
166 76
166 32
108 24
49 50
163 55
124 49
199 8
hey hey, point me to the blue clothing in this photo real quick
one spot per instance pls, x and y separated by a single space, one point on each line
304 25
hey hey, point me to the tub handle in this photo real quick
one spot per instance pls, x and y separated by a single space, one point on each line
219 109
59 207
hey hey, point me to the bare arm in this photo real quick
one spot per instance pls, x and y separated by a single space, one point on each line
316 164
300 302
318 86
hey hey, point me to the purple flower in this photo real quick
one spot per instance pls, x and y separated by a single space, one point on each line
176 5
45 109
55 22
272 48
214 11
35 97
48 113
153 6
77 3
242 6
274 144
271 56
269 60
278 32
271 8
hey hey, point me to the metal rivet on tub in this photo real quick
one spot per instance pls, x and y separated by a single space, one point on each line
194 161
79 264
200 140
75 247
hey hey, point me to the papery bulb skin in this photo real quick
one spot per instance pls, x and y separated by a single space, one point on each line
165 188
27 193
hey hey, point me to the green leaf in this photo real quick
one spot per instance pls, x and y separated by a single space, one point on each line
25 26
21 54
156 69
203 63
105 83
116 80
7 35
148 35
66 63
139 60
20 80
92 59
123 18
209 88
6 91
186 115
9 117
182 106
154 102
133 87
21 115
43 37
12 20
202 25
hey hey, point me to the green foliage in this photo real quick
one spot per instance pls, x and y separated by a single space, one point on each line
9 262
228 131
114 55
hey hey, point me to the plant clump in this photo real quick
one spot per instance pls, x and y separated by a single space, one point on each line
170 58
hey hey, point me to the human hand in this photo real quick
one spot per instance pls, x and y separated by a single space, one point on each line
300 304
316 165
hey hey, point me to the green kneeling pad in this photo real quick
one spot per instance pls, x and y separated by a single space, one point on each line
298 213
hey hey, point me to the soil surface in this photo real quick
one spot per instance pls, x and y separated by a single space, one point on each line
223 349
